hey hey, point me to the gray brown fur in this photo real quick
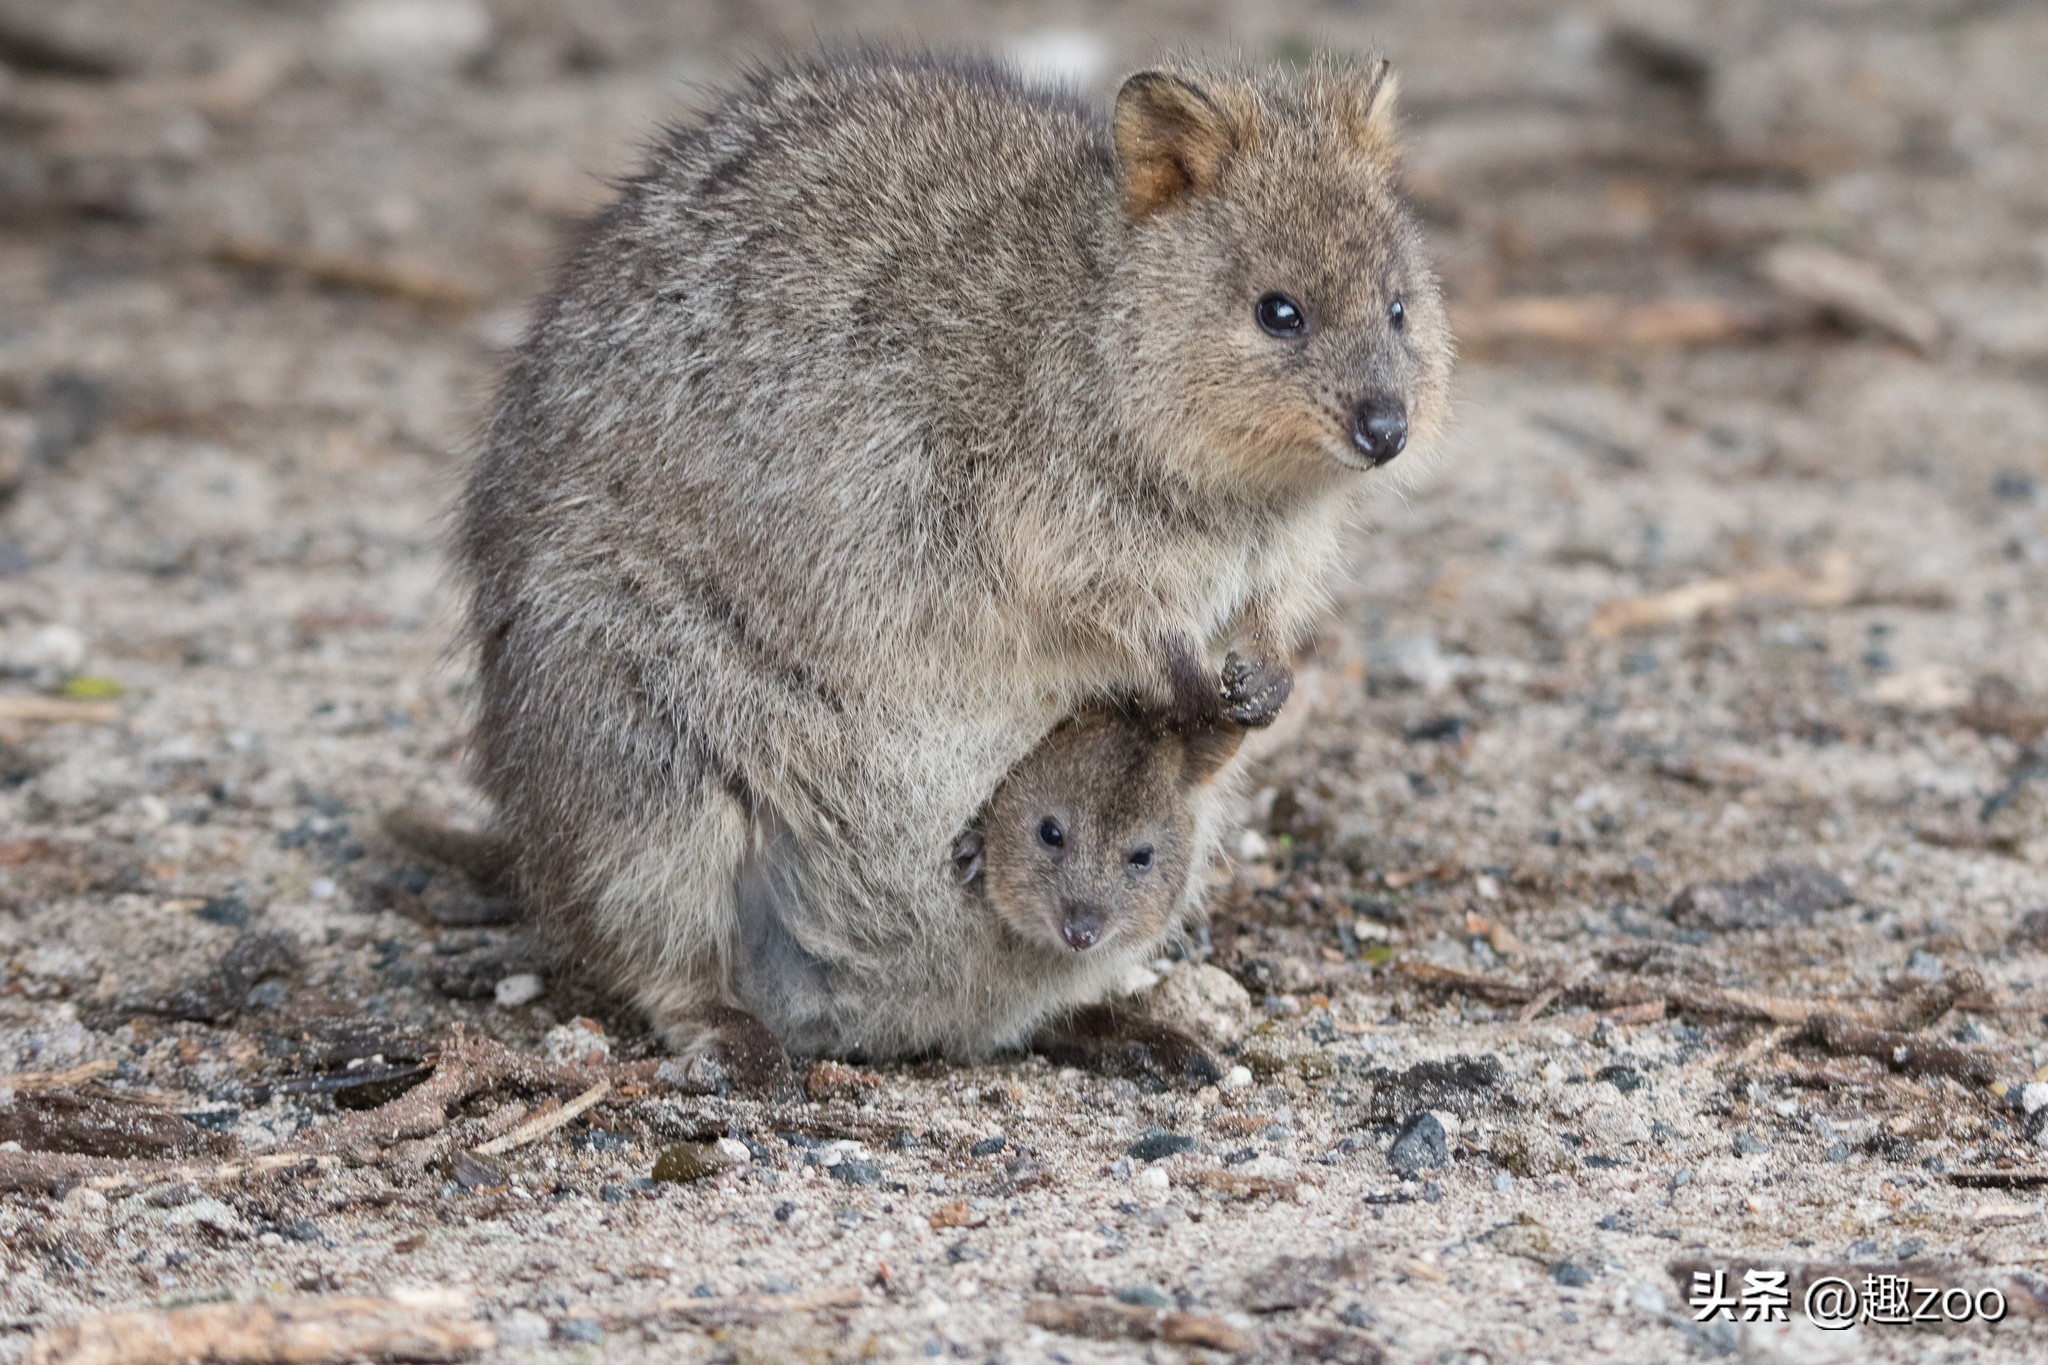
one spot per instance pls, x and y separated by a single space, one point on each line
1089 842
893 413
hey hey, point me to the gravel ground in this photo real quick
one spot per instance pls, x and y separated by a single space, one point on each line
1668 788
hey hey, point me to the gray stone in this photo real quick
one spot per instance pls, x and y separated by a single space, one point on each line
1787 892
1419 1146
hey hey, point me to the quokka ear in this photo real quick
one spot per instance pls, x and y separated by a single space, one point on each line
1172 140
1373 121
968 850
1209 748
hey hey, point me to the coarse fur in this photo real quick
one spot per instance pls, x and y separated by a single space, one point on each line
892 413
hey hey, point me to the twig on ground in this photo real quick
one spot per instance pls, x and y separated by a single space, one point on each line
463 1068
57 711
546 1121
1622 998
423 1324
1903 1052
1240 1186
410 281
1832 586
1604 322
1108 1320
26 1082
1854 292
1925 1005
740 1310
1767 1041
1998 1180
94 1121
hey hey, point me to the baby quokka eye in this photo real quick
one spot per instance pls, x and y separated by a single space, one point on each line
1280 315
1397 315
1050 834
1139 859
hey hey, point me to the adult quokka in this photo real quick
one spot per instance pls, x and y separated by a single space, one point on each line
894 413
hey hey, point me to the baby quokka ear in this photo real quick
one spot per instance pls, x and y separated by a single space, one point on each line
1173 139
1209 747
968 851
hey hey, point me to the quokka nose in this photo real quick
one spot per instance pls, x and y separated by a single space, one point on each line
1081 926
1380 429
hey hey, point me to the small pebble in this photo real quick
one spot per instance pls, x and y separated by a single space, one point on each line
521 1328
849 1171
686 1162
1419 1146
1143 1296
1571 1274
520 989
1748 1144
1158 1144
988 1146
579 1329
1237 1078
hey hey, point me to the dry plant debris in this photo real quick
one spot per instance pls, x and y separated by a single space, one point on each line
429 1324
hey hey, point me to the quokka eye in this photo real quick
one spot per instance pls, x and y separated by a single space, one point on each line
1050 834
1140 858
1397 314
1281 316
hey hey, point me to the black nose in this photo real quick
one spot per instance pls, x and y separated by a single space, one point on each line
1081 927
1380 429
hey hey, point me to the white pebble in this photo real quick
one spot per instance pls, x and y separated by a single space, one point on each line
406 37
515 991
1152 1178
48 652
521 1328
322 889
82 1201
1237 1078
2034 1095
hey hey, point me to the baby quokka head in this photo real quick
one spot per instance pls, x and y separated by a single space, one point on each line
1272 288
1088 842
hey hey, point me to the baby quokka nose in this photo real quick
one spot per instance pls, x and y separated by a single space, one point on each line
1380 429
1080 925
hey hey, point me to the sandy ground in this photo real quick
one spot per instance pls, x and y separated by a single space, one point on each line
1692 593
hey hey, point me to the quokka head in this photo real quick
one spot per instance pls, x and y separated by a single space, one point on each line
1284 325
1090 839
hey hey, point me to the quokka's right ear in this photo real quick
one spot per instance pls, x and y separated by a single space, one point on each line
1373 121
1172 140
